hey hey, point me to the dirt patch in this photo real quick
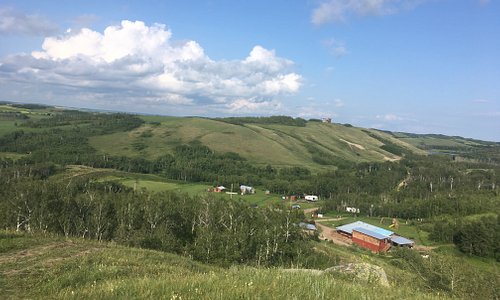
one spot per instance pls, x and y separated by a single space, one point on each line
422 248
387 158
353 144
328 233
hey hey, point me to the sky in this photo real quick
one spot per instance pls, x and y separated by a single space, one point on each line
420 66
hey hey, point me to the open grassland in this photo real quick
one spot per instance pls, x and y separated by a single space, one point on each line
37 267
428 141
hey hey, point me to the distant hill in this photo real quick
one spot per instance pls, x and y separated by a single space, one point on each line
277 140
312 145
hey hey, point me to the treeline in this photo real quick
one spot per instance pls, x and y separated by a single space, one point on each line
207 229
446 274
478 236
101 123
278 120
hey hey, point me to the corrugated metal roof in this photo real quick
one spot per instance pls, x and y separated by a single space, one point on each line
401 240
368 232
307 226
359 224
311 227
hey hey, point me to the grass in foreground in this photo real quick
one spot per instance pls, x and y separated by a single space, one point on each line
37 267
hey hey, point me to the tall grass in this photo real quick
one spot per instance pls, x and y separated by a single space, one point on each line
37 267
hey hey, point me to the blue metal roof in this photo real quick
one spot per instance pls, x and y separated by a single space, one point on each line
359 224
401 240
307 226
368 232
311 227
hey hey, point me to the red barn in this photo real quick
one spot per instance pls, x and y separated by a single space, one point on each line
371 240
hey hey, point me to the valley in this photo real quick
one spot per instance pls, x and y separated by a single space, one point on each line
122 205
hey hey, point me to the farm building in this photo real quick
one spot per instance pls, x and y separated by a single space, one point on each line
372 237
400 241
308 226
347 228
244 189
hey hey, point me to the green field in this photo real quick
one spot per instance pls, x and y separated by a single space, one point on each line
157 184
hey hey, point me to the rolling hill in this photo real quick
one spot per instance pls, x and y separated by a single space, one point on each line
313 144
273 144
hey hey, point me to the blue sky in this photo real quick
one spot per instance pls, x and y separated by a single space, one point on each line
422 66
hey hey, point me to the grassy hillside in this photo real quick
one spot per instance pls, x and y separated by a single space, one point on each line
259 143
316 145
46 267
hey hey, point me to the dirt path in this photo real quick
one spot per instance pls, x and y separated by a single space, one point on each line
424 248
310 210
353 144
328 233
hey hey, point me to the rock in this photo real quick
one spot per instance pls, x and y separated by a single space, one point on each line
364 272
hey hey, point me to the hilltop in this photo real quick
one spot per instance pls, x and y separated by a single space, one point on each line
313 144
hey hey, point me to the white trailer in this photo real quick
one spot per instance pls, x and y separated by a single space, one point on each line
312 198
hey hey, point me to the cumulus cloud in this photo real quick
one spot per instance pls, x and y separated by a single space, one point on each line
13 21
132 60
339 10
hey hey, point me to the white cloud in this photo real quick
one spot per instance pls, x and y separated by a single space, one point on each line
132 60
339 10
389 117
13 21
243 106
337 48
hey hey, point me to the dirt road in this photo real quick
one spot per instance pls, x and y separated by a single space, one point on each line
328 233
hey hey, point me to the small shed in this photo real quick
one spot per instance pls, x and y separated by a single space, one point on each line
374 241
400 241
308 226
245 189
